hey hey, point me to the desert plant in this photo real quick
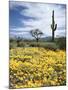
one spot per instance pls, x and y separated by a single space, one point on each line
61 42
53 26
36 34
13 45
19 39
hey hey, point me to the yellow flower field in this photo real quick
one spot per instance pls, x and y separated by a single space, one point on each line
37 67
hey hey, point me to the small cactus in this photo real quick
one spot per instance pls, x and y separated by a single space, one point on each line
53 26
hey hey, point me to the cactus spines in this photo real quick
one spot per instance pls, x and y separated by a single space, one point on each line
53 26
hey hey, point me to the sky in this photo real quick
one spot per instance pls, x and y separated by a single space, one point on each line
26 16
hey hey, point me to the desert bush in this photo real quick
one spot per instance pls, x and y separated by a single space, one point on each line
13 45
33 44
61 42
46 45
21 44
51 46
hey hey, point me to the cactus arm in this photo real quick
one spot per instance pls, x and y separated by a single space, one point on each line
55 27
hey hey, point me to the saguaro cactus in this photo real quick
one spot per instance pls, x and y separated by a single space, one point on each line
53 26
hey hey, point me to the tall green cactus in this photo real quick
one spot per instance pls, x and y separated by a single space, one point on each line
53 26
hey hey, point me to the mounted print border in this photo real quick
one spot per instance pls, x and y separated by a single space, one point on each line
37 37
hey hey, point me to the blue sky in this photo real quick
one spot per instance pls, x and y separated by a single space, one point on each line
26 16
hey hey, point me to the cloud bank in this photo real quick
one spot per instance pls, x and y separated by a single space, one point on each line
25 16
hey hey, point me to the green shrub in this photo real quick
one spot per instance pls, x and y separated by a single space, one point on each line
46 45
13 45
21 44
61 42
33 44
51 46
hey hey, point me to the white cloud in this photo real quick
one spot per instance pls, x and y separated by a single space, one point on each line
44 14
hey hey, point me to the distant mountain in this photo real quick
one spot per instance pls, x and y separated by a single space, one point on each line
46 38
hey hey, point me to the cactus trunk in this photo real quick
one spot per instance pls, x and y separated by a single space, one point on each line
53 26
52 35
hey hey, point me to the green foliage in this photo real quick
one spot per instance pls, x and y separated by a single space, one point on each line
13 45
46 45
61 42
18 40
51 46
21 44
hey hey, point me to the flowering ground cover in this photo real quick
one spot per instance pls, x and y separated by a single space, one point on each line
36 67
